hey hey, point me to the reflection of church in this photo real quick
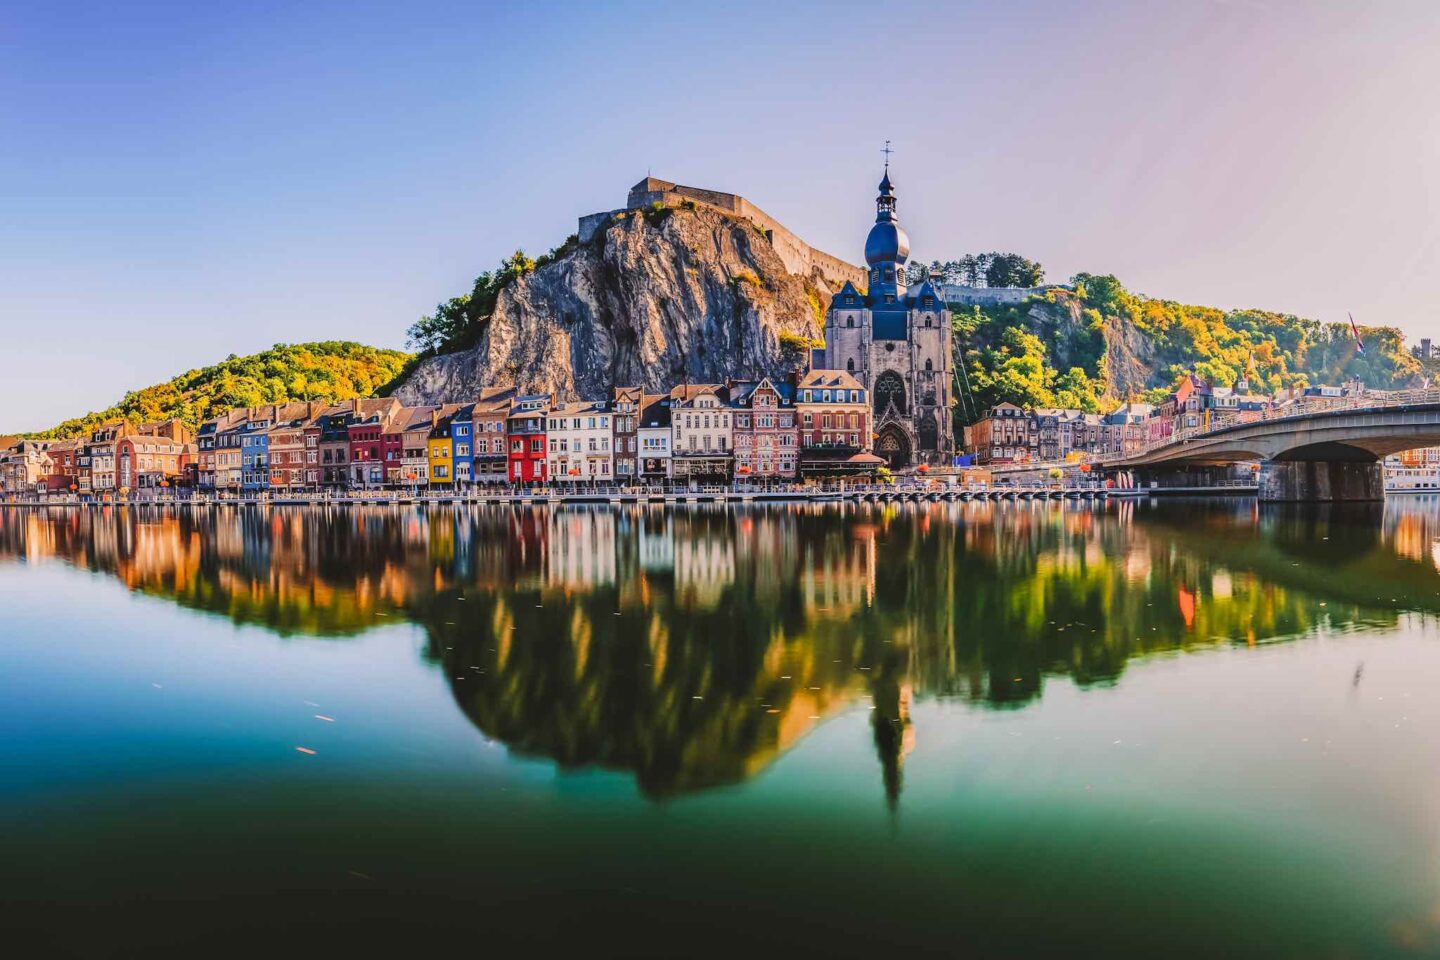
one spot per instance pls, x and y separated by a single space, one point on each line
896 341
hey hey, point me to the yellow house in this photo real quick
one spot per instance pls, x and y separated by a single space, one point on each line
442 454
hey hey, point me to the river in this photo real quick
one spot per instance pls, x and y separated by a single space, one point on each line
1181 728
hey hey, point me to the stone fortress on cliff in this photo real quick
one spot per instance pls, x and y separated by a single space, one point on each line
798 256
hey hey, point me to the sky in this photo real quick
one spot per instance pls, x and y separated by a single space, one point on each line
182 181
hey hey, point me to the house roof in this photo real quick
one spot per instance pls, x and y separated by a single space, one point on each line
689 392
655 411
830 378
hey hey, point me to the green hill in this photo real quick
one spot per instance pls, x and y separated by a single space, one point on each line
329 371
1097 345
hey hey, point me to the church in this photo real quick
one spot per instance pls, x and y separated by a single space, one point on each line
896 341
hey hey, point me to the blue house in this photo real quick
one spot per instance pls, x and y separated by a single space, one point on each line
255 450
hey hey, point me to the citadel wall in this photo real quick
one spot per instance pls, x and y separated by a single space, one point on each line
797 255
955 294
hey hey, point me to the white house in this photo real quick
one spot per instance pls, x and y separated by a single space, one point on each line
701 431
579 435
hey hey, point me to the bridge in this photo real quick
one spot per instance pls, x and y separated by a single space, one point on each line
1326 451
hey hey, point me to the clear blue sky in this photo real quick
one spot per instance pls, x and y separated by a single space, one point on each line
179 181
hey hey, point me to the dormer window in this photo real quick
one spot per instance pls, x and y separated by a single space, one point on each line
849 298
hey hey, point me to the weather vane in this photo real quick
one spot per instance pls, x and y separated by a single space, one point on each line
887 151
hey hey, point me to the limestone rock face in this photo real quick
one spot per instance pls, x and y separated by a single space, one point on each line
655 299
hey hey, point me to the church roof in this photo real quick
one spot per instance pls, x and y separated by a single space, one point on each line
848 290
926 289
887 243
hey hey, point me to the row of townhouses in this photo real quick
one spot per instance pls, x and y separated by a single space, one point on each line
817 424
1009 434
114 457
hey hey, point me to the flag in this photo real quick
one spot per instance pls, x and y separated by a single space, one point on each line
1359 344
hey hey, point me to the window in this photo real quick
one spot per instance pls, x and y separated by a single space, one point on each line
850 364
929 365
850 320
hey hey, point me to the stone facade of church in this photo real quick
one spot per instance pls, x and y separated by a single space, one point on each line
895 339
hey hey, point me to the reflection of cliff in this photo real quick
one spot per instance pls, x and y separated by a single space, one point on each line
693 647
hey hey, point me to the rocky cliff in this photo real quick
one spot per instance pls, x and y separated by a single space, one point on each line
655 298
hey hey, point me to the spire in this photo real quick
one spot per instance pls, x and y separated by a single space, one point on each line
885 202
886 248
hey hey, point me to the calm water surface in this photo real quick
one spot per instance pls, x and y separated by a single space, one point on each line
1177 729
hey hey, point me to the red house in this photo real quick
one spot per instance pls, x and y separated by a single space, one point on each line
375 450
525 434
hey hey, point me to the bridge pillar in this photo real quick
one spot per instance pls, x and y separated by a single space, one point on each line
1321 481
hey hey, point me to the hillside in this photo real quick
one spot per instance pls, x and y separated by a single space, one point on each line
658 297
331 370
673 293
1098 345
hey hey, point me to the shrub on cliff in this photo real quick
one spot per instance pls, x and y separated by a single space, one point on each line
457 322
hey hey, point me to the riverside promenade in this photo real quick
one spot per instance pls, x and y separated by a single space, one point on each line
912 493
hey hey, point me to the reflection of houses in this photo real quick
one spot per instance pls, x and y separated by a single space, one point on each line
838 576
581 553
704 566
656 534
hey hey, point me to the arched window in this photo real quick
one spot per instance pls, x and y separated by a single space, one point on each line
850 321
889 392
850 365
929 365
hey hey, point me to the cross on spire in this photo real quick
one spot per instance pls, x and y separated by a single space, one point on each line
887 151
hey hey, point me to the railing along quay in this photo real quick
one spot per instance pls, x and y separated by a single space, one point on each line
878 493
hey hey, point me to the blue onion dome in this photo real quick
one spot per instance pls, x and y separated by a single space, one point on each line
887 243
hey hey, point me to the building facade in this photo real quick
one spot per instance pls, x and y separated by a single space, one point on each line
654 436
578 435
625 409
525 430
764 430
834 424
700 424
895 341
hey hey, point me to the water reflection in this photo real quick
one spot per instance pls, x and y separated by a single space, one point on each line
692 647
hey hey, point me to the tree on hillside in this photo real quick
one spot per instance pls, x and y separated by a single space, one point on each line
1012 270
328 371
983 270
456 323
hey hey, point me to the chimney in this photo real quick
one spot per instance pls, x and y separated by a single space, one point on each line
355 405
